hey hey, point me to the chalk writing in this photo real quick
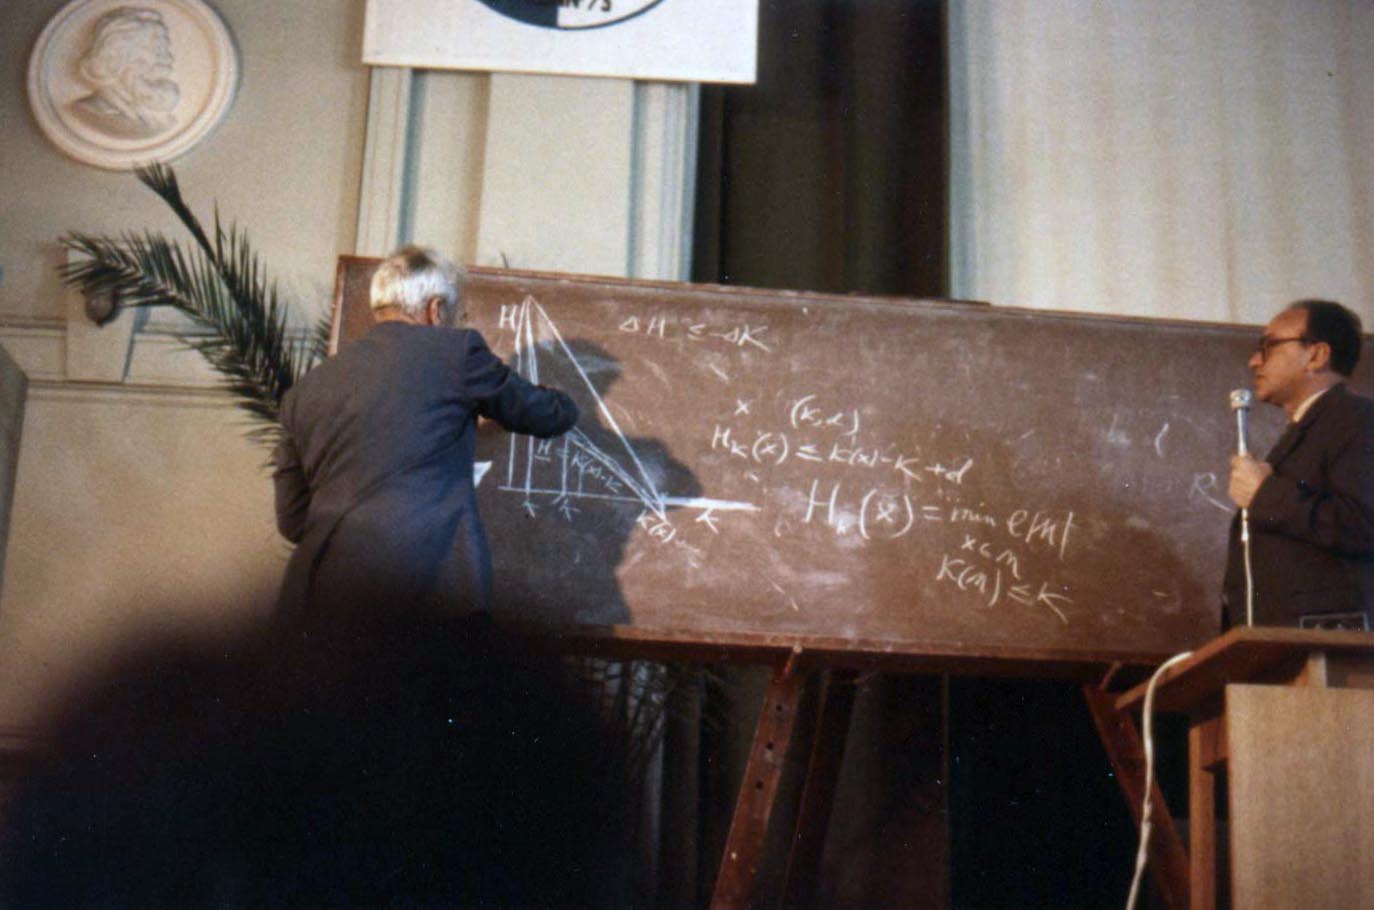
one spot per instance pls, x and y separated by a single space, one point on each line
819 461
953 475
999 555
662 326
1205 488
654 326
804 413
1041 527
960 514
890 514
996 584
660 529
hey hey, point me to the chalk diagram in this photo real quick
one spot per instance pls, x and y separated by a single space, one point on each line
575 467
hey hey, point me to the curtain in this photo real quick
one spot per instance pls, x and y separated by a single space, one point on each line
1172 158
830 173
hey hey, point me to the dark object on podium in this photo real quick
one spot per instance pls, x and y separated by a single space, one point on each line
1355 621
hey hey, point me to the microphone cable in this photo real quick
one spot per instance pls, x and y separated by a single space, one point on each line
1249 573
1147 804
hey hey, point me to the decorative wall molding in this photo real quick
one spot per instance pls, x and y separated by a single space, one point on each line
13 398
663 180
384 195
117 86
645 142
159 364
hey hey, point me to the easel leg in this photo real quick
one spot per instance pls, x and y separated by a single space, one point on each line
1168 862
818 795
749 826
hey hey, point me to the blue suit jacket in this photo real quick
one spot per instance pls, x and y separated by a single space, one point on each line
1312 521
373 474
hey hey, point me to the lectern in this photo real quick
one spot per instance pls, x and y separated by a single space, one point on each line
1288 716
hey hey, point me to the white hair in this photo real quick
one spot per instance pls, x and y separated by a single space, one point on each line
413 276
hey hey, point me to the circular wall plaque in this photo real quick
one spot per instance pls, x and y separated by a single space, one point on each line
117 84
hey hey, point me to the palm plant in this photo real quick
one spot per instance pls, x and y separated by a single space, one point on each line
220 285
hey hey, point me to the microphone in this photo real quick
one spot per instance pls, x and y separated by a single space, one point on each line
1240 403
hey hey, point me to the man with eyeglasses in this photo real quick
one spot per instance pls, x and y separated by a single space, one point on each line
1311 500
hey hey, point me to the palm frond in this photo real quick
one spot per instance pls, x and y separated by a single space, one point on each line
221 285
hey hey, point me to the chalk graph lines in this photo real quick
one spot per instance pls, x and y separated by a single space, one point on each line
575 466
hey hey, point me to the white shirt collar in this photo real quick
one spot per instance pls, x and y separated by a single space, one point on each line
1307 404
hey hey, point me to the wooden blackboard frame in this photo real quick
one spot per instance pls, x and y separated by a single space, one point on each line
939 654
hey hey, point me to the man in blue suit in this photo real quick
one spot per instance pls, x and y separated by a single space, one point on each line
374 471
1311 500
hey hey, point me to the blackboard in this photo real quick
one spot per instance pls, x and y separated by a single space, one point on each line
903 475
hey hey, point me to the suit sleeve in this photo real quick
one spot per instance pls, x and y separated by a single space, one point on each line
498 392
291 491
1334 513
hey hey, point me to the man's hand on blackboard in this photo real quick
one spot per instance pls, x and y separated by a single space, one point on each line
1247 473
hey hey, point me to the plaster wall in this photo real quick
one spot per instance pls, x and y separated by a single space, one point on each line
139 507
136 513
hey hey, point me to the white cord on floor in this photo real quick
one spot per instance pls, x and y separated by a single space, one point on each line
1147 806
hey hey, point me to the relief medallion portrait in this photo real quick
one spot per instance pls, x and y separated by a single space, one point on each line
119 84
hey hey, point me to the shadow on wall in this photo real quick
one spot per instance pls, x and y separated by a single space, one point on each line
423 761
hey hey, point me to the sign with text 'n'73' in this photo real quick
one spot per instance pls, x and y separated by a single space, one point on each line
680 40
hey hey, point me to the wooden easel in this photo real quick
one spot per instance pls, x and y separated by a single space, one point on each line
763 772
794 661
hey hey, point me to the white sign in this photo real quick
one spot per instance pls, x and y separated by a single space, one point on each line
685 40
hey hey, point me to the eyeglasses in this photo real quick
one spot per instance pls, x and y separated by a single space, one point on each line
1267 344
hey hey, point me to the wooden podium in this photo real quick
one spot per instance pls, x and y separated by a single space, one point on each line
1285 715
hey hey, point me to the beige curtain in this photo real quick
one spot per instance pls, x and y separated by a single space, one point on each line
1203 160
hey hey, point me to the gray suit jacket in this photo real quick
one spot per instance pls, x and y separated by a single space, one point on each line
1312 522
373 474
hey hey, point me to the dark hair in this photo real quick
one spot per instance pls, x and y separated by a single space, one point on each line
1337 327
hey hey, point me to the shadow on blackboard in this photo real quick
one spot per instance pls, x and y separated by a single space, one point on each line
561 513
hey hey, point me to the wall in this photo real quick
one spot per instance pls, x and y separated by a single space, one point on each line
284 162
138 503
